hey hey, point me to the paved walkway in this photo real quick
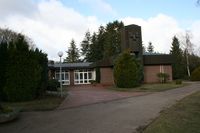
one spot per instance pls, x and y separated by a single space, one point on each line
119 116
88 94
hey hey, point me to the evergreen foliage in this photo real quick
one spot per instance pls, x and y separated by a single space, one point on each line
23 70
127 71
3 62
179 56
53 85
85 46
112 45
195 76
178 61
93 54
98 75
43 62
102 44
194 62
72 53
150 48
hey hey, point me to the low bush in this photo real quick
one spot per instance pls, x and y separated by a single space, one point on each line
53 85
163 77
195 76
6 110
93 82
178 81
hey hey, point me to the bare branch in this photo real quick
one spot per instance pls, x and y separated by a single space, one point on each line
7 35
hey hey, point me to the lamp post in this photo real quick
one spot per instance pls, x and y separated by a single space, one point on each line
60 54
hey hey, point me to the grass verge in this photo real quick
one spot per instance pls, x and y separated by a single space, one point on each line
152 87
41 104
184 117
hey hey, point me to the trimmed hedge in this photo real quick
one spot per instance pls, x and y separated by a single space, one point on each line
195 76
127 71
23 74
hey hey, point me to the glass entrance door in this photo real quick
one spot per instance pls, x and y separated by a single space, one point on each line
83 76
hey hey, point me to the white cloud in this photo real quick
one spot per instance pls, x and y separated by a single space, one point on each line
161 29
195 30
52 26
100 6
12 7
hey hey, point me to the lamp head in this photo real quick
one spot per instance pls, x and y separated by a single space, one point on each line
60 53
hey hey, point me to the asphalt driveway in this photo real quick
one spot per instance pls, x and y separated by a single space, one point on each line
88 94
118 116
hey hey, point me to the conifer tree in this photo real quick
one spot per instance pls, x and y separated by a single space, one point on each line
85 46
72 53
92 55
150 48
112 44
177 56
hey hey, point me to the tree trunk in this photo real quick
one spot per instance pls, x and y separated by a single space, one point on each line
187 61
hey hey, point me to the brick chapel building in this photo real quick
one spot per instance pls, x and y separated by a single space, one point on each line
131 39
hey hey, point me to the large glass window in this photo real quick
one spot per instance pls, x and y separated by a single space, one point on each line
84 76
64 76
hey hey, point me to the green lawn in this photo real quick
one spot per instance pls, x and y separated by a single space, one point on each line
152 87
184 117
44 103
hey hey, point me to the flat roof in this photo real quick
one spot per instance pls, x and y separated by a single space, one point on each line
71 65
148 59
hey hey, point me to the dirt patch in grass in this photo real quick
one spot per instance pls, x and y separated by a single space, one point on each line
184 117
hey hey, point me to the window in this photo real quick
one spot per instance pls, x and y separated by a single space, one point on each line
65 76
84 76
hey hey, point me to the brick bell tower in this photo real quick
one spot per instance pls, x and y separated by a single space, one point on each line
131 39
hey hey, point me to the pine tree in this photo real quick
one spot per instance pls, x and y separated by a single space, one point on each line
92 54
100 43
112 44
72 53
150 48
85 46
177 56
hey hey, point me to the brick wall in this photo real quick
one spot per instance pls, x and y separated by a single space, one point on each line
150 73
107 76
71 74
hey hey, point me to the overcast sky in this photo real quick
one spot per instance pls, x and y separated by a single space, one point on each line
53 23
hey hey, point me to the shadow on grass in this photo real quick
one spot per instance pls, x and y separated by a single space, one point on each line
151 87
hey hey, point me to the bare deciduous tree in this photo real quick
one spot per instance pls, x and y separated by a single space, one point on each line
7 35
188 47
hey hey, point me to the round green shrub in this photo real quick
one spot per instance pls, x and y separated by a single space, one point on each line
127 71
195 76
